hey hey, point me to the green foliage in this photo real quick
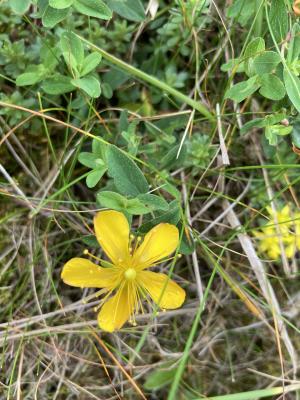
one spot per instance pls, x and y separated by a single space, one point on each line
96 161
279 19
127 176
242 90
273 74
132 10
20 7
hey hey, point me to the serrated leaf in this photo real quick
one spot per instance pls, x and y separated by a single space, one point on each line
53 16
90 63
89 84
266 62
72 49
132 10
58 84
128 178
292 85
60 4
20 6
271 87
93 8
279 19
242 90
94 177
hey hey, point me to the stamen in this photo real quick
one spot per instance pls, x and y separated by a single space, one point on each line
87 253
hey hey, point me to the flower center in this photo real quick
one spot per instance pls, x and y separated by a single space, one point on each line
130 274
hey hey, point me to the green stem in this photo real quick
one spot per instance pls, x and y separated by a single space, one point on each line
150 79
254 394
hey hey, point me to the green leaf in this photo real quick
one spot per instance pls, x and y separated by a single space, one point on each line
172 216
296 134
94 177
272 131
128 178
107 90
111 200
170 160
120 203
257 123
136 207
160 377
294 45
58 84
89 84
91 160
35 74
99 148
20 6
72 49
60 4
271 87
263 122
132 10
234 63
91 241
292 85
187 245
255 47
279 19
266 62
242 10
53 16
90 63
242 90
153 202
93 8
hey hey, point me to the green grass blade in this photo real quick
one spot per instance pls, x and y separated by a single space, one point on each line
254 394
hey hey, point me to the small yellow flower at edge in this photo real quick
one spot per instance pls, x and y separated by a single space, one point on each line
128 276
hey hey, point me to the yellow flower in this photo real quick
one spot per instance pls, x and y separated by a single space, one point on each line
127 274
283 228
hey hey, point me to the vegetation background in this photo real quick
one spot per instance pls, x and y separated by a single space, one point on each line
202 98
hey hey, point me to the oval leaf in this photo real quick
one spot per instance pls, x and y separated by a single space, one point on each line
89 84
93 8
271 87
128 178
60 4
292 85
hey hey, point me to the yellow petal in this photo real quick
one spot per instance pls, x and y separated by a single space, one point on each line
171 297
158 243
112 232
117 310
81 272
